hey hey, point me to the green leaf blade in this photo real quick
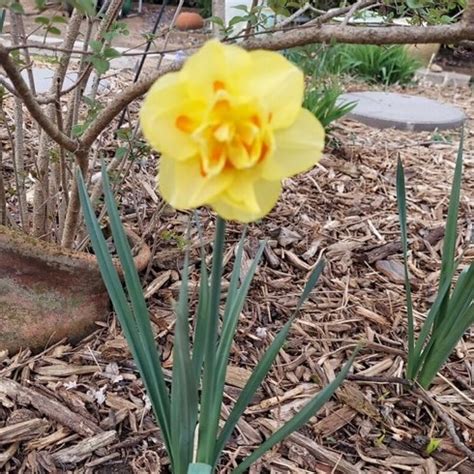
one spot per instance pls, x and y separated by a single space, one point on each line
299 419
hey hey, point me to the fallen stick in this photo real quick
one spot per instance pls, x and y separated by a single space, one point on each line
22 431
83 449
49 407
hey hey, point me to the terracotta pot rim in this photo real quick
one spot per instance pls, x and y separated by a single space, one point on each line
19 242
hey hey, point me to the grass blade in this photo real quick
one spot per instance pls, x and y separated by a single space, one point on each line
443 347
262 368
228 333
184 391
258 374
420 352
230 324
299 419
201 323
208 424
449 244
145 345
310 284
234 279
444 339
402 212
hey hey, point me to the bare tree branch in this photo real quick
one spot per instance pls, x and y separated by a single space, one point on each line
386 34
300 37
355 8
31 104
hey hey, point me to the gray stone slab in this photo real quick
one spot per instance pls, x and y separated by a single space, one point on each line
444 78
43 78
403 112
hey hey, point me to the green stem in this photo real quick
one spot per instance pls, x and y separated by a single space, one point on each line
208 425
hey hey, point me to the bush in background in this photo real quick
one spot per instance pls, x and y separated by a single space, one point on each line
323 102
378 64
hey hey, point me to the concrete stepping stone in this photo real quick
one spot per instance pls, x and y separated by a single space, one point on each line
43 78
402 112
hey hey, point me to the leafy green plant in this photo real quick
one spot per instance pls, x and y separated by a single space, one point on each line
320 61
324 104
188 413
205 6
378 64
452 312
433 445
432 12
285 7
322 64
93 109
49 24
101 56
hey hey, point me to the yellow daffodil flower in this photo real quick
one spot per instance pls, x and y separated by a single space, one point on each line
229 127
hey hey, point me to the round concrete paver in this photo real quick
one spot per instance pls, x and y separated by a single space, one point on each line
403 112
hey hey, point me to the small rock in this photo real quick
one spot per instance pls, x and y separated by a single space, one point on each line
288 237
392 269
436 68
189 21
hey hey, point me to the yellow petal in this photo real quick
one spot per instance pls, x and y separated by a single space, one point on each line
297 148
214 67
167 115
278 84
242 193
184 187
265 193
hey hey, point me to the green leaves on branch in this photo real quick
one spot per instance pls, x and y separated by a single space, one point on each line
48 23
93 109
192 407
102 54
452 312
87 7
13 6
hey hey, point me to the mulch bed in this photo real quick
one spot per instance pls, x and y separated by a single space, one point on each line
83 409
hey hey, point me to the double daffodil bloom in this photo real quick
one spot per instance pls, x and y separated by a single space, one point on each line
230 126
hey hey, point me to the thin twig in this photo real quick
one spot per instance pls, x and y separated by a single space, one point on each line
378 379
354 8
437 407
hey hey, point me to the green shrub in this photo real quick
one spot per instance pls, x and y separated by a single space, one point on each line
322 63
205 6
323 103
378 64
318 61
373 64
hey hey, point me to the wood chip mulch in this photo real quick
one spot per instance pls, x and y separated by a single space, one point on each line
83 409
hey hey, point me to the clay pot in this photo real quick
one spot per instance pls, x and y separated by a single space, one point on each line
189 21
48 293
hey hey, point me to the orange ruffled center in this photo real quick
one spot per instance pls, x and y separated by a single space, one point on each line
233 134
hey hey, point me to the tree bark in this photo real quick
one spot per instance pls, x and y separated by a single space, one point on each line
468 16
363 35
41 193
